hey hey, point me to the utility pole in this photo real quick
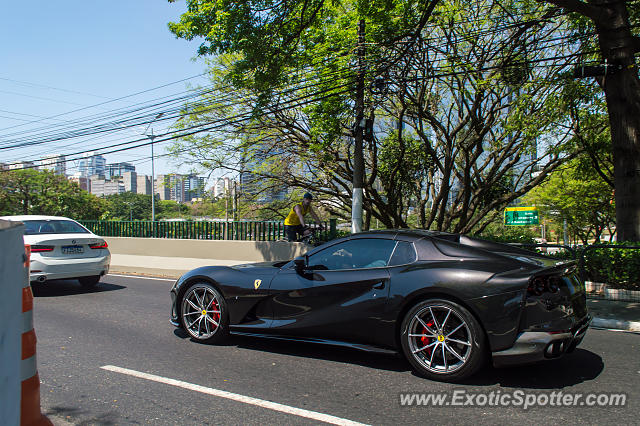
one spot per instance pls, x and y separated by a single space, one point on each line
153 175
358 155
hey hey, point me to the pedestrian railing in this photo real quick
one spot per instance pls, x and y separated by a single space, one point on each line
250 230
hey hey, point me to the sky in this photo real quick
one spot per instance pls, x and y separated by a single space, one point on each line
72 55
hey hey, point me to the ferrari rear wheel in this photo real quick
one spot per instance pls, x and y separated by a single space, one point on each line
204 313
442 340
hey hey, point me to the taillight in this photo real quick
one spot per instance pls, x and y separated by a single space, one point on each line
544 284
101 245
40 249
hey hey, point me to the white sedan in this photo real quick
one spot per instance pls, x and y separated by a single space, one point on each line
61 248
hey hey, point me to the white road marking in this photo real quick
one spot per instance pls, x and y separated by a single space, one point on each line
235 397
141 277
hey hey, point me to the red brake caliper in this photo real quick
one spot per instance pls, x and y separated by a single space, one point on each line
215 315
427 340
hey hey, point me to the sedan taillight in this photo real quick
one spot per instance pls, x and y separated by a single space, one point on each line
40 249
101 245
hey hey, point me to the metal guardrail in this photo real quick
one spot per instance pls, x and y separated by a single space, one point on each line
200 230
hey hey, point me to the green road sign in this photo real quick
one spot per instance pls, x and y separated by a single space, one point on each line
521 216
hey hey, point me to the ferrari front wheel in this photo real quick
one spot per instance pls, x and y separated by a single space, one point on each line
204 313
442 340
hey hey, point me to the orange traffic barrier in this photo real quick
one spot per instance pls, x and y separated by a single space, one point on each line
30 388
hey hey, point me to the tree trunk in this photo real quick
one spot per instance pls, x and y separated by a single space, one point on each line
621 86
622 91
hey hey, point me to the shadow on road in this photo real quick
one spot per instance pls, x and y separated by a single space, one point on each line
577 367
56 288
382 361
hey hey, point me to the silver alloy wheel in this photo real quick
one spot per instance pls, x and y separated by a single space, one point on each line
439 339
201 312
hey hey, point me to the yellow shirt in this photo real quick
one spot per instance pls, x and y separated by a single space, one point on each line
292 218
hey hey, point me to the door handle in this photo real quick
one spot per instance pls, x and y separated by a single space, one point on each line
379 285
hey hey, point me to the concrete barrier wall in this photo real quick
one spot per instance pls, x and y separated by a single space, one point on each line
249 251
11 282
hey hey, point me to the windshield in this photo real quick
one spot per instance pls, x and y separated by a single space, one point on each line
35 227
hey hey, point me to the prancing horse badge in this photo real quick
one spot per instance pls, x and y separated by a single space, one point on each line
257 283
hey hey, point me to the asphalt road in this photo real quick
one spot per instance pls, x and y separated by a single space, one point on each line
124 323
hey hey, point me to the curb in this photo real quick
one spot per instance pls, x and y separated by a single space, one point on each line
616 324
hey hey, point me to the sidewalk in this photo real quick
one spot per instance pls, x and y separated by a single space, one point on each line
606 313
171 267
615 314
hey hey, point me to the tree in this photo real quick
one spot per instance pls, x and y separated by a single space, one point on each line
618 46
127 206
45 193
584 200
454 120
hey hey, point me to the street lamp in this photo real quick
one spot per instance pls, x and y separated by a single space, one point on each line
153 175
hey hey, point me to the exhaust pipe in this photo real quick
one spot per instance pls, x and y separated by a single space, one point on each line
42 279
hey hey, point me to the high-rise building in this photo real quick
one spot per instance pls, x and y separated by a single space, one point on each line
143 185
55 163
21 165
83 182
163 187
92 164
193 186
252 184
130 181
102 187
180 188
118 169
222 187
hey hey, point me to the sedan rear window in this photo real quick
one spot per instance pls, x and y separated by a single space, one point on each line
35 227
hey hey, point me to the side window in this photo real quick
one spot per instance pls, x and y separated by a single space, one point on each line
404 253
354 254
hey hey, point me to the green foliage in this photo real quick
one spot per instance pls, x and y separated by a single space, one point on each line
45 193
167 209
269 37
457 115
127 206
509 234
617 267
578 196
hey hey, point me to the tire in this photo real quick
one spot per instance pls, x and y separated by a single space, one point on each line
203 313
89 282
442 340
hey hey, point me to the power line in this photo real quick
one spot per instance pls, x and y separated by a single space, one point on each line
27 83
216 124
119 125
112 100
172 99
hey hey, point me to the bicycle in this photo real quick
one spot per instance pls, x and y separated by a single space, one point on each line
310 237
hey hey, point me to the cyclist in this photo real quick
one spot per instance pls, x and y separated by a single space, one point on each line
294 225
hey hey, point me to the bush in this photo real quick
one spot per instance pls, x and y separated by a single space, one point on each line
617 267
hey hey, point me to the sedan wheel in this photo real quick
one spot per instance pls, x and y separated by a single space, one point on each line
442 340
204 313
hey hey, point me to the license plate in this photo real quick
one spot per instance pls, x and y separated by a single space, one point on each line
72 249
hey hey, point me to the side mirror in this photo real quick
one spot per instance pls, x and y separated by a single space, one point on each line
300 262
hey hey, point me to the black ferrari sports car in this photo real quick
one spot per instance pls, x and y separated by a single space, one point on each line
447 301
